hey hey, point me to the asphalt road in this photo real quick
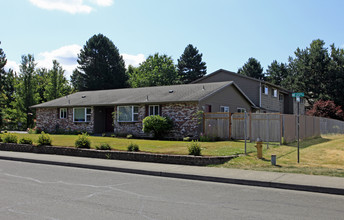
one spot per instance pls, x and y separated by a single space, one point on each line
35 191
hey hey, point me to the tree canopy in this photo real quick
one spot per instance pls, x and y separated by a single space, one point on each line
252 68
100 65
190 65
156 70
277 73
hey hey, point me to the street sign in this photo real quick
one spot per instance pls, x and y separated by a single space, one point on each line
298 94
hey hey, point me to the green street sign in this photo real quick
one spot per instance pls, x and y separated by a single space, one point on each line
298 94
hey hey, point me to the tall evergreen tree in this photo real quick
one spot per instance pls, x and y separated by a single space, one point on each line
252 68
310 71
26 94
156 70
277 73
100 64
77 80
190 65
335 82
57 85
3 62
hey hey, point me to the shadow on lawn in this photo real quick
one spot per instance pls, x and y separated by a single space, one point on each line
309 142
305 144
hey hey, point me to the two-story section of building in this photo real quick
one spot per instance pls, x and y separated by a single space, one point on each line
266 96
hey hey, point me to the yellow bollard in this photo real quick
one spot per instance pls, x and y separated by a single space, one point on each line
259 146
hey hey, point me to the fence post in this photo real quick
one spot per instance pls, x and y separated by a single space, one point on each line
281 129
267 133
203 123
230 125
250 126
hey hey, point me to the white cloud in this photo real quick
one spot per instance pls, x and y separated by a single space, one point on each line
103 2
70 6
12 65
67 56
133 60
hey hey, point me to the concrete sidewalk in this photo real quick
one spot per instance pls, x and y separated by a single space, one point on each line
322 184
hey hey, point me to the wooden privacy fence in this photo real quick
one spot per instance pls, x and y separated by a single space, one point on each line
269 127
217 125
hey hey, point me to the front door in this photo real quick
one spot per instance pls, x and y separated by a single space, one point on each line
109 120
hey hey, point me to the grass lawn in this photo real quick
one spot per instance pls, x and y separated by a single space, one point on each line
320 156
220 148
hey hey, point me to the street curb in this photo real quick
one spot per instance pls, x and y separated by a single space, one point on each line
307 188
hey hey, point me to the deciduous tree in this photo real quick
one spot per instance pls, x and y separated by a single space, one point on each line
156 70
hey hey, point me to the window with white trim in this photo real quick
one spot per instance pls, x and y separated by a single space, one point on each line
154 110
274 92
82 114
241 110
224 109
63 112
127 113
265 90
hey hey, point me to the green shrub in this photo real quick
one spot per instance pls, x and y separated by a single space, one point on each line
10 138
32 131
195 149
83 141
157 124
129 136
187 139
44 139
113 135
103 146
133 147
0 138
25 141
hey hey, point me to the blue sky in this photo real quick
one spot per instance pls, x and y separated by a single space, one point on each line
226 32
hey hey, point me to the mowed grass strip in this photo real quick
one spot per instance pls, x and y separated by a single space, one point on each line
319 156
220 148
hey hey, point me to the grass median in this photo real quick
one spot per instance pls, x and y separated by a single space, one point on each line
319 156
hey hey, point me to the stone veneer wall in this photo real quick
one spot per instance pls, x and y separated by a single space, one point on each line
48 119
183 116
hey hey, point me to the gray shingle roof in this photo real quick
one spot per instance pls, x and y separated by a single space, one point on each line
157 94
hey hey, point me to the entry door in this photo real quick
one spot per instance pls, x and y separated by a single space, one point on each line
109 120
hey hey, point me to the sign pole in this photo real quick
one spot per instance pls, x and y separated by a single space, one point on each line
298 96
298 131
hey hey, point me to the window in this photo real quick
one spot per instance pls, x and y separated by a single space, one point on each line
127 113
241 110
224 109
63 112
274 92
82 114
153 110
281 97
265 90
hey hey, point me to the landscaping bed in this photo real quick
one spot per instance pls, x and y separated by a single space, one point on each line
118 155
